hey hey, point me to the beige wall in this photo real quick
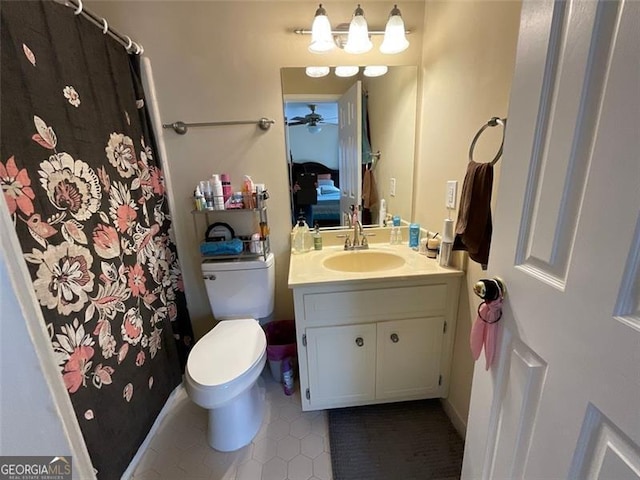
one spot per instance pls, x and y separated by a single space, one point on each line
467 65
221 60
392 120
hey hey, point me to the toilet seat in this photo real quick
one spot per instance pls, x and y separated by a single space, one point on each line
227 352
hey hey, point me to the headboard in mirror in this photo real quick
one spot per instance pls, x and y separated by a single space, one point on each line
316 193
312 138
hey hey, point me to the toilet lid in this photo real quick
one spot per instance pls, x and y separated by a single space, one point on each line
230 349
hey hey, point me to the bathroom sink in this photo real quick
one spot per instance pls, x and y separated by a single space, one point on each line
363 261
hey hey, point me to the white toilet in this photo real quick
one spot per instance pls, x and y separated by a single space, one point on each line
224 366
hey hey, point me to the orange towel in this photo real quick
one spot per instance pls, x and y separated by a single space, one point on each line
369 189
474 227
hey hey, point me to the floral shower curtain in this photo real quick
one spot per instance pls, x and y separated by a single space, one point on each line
79 173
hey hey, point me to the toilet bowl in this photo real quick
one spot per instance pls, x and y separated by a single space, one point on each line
224 366
222 376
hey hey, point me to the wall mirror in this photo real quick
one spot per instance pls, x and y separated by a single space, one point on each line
335 127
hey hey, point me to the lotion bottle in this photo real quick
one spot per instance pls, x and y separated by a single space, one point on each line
216 186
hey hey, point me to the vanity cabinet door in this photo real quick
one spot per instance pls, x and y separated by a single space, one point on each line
342 364
408 360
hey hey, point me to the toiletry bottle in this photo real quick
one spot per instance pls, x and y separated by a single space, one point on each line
393 236
287 376
216 186
414 236
300 241
248 190
382 214
226 188
256 244
207 191
398 236
447 243
199 199
317 238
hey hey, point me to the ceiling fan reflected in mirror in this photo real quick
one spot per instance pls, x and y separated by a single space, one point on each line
317 116
310 119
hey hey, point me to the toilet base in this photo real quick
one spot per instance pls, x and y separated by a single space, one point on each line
235 425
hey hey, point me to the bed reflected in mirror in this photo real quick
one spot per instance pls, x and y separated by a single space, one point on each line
321 173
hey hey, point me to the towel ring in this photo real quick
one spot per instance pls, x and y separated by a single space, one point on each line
491 123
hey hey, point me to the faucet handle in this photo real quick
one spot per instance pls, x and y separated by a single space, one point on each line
347 239
347 219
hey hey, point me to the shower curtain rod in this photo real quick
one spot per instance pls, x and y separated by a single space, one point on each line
100 22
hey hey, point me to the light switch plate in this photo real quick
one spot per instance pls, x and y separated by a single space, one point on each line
392 187
452 192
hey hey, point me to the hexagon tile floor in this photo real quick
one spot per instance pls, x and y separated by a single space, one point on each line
291 445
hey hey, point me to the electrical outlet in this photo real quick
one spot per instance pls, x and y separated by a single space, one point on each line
392 187
452 191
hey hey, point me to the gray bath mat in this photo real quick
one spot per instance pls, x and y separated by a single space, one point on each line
403 441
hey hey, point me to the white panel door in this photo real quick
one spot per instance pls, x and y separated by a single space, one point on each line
350 147
342 364
563 397
408 361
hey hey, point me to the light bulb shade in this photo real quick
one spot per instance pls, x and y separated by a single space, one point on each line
317 72
321 37
375 70
395 39
314 128
358 39
346 71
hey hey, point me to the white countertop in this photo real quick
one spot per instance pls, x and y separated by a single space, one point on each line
308 269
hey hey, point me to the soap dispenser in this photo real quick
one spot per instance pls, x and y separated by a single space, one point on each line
301 241
317 238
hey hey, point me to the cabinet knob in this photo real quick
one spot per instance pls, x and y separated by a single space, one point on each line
395 338
209 277
359 341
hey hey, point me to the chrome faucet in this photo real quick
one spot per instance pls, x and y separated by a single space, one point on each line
359 237
357 233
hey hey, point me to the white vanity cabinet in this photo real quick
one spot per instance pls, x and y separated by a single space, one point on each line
375 341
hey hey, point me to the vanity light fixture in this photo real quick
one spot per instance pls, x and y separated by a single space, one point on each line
317 72
355 36
346 71
375 70
395 40
358 40
321 35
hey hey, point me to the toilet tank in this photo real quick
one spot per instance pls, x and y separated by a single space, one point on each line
240 288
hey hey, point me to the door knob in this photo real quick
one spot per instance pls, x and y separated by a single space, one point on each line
395 338
490 289
359 341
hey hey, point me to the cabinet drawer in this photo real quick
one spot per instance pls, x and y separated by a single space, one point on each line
356 306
